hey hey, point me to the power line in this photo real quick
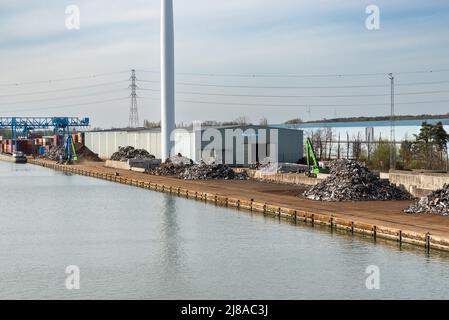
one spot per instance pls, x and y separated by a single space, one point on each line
335 75
61 90
92 76
280 87
420 83
230 75
301 105
300 87
67 105
222 103
303 96
59 98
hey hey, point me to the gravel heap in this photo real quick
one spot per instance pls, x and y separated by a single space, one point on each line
84 153
436 202
204 171
352 181
126 153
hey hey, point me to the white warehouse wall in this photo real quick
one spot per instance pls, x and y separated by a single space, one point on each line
105 143
288 143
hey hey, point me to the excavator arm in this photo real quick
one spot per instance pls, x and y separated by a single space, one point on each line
310 155
312 161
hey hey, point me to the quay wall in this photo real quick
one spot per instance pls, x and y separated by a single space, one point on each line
418 184
425 240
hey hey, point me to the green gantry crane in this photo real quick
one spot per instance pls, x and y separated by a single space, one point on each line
312 161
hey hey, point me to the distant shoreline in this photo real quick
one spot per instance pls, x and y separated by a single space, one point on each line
380 118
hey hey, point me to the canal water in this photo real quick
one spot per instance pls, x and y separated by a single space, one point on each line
131 243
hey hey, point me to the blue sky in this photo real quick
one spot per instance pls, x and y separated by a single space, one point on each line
222 37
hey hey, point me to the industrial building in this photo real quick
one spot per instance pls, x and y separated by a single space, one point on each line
235 145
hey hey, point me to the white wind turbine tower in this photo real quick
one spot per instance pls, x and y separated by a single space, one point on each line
167 77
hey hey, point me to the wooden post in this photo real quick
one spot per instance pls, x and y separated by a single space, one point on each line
400 237
428 241
352 227
375 232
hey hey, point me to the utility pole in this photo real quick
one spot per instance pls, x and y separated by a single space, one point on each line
167 78
133 112
392 127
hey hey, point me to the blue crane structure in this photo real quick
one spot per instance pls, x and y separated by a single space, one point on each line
21 127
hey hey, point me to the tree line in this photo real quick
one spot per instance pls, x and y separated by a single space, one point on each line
426 150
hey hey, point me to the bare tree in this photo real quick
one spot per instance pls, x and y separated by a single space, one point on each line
319 143
338 150
241 121
263 121
357 147
329 134
150 124
347 145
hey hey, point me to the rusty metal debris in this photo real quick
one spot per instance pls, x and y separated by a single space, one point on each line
168 169
352 181
184 168
436 202
58 153
204 171
126 153
55 153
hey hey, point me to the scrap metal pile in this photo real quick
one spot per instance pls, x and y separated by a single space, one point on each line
352 181
204 171
126 153
436 202
184 168
283 168
169 168
55 153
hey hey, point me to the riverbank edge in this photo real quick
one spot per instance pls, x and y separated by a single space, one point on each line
425 240
10 158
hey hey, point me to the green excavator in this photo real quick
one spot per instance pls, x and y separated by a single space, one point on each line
312 162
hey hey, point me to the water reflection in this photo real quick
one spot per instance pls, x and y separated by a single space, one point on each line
171 249
133 243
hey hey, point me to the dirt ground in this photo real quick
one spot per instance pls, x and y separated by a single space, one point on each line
382 213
